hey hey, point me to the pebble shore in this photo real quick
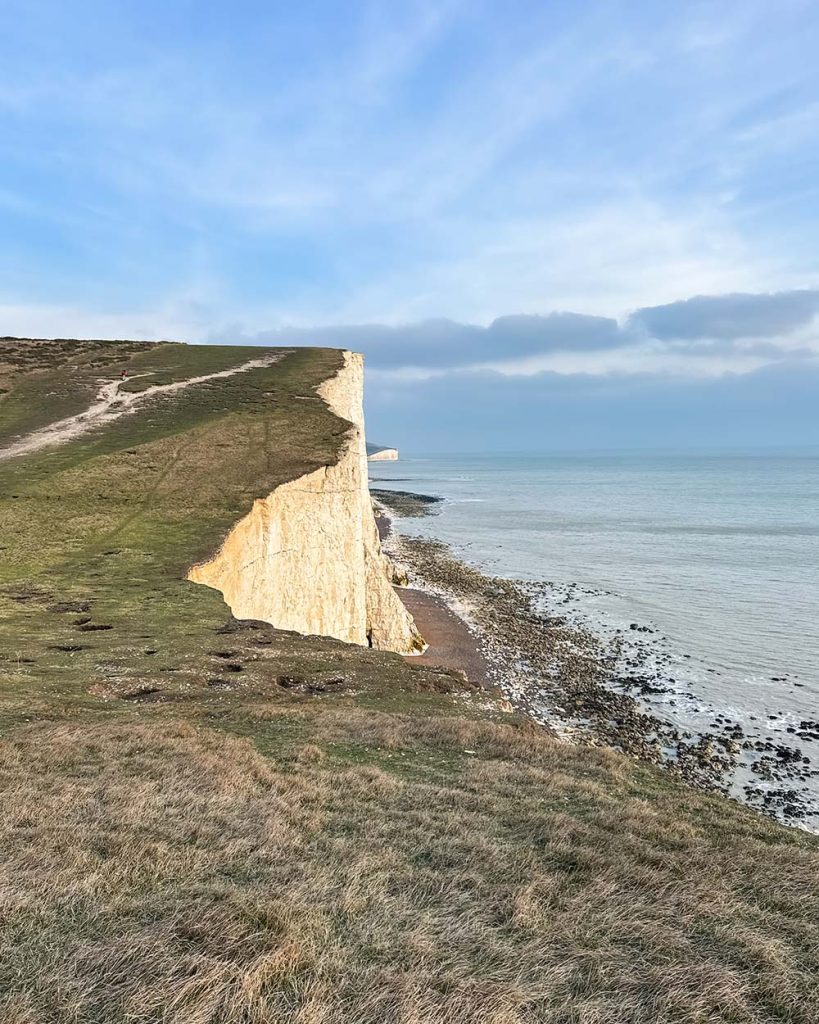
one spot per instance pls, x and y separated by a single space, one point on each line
582 687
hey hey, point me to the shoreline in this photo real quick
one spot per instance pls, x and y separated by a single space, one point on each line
450 642
565 678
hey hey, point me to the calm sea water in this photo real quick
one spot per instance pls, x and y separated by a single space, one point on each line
719 553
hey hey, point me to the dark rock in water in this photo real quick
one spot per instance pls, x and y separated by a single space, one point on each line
808 729
406 503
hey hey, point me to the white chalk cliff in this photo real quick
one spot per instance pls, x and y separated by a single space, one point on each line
307 557
375 454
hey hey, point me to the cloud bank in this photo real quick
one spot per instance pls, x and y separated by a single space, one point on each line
713 370
446 344
709 335
729 317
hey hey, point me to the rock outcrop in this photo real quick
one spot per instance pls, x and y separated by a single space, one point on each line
307 557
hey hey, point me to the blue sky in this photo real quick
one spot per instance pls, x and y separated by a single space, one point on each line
477 190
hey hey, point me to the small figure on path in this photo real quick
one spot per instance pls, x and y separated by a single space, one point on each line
124 375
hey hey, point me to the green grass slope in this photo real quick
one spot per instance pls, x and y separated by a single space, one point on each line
211 821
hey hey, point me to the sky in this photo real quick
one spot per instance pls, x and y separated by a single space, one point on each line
546 224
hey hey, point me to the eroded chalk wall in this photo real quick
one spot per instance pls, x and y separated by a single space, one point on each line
307 557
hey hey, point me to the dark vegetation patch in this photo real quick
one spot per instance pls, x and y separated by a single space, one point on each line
315 685
25 593
70 606
142 693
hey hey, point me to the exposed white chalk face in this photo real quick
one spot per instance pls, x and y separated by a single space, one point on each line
307 557
382 454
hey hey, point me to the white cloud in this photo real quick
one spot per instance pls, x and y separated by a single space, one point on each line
601 261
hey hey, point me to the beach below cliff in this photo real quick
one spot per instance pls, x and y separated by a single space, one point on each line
505 634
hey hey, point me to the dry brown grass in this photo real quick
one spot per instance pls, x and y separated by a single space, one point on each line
417 869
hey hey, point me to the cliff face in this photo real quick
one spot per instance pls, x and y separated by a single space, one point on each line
384 455
307 557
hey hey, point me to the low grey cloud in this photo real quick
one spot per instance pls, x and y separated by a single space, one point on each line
530 335
445 344
728 317
710 326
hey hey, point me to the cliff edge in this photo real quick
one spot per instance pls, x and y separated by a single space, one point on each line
307 557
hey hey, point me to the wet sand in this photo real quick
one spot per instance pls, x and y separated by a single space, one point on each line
451 645
450 642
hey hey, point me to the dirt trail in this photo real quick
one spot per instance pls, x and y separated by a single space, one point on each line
110 404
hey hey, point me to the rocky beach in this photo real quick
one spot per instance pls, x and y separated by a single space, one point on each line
588 688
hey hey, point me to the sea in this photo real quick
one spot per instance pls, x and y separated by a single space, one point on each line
715 553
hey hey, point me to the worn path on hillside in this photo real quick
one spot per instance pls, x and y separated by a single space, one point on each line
111 403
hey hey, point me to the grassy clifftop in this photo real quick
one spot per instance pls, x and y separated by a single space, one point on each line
212 821
110 522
